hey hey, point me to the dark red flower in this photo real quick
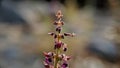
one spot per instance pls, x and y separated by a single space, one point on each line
58 45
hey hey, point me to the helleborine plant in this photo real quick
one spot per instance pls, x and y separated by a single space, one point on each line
57 59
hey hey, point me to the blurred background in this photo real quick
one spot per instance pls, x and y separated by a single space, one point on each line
24 27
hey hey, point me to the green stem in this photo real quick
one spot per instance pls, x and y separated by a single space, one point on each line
57 54
56 58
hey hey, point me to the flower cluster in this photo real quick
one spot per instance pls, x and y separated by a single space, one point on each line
57 59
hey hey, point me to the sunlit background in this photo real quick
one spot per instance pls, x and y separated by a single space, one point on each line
24 27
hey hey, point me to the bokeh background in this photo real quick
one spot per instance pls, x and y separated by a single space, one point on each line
24 27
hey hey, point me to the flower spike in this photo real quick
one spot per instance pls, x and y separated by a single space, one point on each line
57 59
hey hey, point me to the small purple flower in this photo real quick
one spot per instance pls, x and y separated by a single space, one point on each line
65 65
52 33
69 34
64 49
49 54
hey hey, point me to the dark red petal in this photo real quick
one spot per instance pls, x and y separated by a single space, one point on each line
55 36
62 36
55 23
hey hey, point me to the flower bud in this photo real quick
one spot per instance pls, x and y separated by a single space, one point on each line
68 57
63 55
62 36
49 54
62 23
55 23
69 34
65 58
52 33
65 47
55 36
46 65
65 65
59 14
58 29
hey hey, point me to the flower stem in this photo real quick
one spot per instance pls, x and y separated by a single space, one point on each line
57 53
56 58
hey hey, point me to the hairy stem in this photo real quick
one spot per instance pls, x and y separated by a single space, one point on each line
56 58
57 54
